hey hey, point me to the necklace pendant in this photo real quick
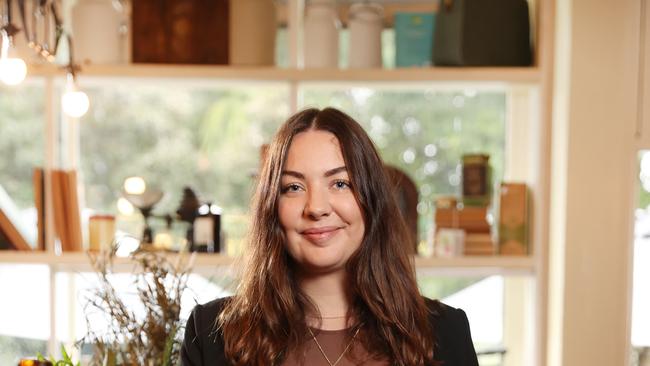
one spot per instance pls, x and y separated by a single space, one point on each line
342 353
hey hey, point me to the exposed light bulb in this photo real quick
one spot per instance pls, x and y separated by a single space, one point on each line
75 103
12 70
125 207
134 185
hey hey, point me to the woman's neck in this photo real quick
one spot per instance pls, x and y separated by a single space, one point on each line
328 292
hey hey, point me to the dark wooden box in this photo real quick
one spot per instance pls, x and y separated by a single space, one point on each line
180 31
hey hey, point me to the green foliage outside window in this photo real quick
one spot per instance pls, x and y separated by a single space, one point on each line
205 138
21 139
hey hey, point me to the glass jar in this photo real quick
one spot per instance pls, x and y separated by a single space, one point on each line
365 24
321 43
93 47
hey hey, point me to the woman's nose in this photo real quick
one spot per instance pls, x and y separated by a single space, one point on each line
317 204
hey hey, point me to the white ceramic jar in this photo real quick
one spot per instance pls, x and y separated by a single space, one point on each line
90 44
321 42
366 22
252 32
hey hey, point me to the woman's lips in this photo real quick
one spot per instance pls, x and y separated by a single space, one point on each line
320 235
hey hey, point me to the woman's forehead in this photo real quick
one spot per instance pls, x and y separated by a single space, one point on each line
314 150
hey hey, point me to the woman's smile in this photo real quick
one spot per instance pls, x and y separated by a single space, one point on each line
320 235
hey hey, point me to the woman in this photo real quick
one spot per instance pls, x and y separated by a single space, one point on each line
329 279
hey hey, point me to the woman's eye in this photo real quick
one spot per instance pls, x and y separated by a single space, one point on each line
291 188
341 184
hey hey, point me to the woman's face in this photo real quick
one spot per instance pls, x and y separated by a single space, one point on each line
318 211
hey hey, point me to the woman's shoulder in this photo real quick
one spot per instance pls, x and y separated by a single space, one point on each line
203 344
211 309
446 319
204 315
452 334
444 314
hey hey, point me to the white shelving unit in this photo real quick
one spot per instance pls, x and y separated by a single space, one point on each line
474 266
528 158
502 75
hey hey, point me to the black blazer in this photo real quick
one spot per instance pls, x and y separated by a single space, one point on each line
203 346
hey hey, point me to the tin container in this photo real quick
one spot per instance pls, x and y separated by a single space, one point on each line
477 178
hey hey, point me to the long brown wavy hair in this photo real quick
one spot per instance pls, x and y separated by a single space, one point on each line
265 320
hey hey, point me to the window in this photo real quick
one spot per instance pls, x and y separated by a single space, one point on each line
640 295
24 311
424 132
205 136
22 140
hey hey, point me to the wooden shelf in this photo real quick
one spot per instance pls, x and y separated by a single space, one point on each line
79 261
508 75
479 265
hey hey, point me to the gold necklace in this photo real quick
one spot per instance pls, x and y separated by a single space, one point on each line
342 353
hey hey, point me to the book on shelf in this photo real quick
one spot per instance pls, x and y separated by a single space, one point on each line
16 233
14 239
471 219
58 208
72 208
38 181
65 205
5 243
479 244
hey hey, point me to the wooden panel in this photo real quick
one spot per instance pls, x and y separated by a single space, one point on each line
643 119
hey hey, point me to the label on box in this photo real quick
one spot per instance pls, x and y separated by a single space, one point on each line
513 219
204 230
414 39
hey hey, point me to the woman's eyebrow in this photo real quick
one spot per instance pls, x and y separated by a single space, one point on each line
334 171
293 174
328 173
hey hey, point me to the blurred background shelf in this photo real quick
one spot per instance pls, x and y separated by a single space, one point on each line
475 265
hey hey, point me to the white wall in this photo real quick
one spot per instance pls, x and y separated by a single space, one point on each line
593 164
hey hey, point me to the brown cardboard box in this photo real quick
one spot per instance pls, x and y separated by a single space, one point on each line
479 244
513 219
471 219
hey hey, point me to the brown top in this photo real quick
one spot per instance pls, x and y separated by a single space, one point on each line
204 345
333 343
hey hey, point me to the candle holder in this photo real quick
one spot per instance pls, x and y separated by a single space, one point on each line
145 202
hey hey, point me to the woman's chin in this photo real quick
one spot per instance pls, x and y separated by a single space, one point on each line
321 265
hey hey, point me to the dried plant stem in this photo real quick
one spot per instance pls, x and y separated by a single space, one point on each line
151 338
